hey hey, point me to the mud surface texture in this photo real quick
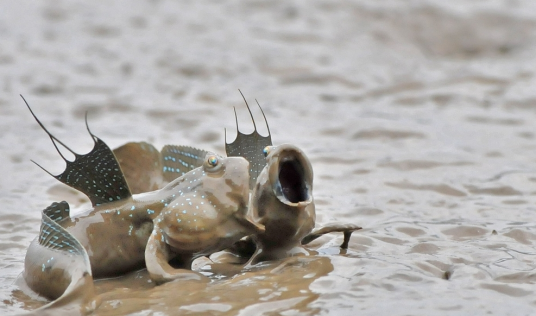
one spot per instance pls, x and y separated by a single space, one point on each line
418 118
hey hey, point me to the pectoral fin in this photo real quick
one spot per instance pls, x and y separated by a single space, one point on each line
346 229
157 259
245 247
250 225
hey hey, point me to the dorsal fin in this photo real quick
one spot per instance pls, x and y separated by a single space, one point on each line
53 236
250 146
97 174
178 160
57 211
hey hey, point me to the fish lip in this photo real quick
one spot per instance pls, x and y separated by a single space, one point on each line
291 176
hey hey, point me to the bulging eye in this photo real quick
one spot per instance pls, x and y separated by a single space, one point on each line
212 161
266 150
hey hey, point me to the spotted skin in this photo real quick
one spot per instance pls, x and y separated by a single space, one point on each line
111 238
114 236
290 225
52 235
174 161
109 186
57 211
178 160
147 169
96 174
208 216
57 265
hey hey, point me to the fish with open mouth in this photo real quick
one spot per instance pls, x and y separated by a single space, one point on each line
282 201
281 180
196 214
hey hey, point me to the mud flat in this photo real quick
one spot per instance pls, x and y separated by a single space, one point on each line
417 117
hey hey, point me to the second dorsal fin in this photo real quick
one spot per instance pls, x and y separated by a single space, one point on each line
178 160
97 174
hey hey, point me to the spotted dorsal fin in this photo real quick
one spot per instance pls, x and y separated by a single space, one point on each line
250 146
58 211
96 174
178 160
53 236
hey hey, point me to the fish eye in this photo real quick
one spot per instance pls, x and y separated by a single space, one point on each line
266 150
212 161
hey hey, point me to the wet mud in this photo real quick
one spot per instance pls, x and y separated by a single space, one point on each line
417 119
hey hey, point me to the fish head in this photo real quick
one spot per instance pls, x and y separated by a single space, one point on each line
282 198
210 213
226 185
290 174
226 182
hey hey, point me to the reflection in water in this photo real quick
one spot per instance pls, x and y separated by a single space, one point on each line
271 287
25 297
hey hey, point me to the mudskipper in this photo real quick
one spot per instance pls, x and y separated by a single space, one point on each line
281 180
198 213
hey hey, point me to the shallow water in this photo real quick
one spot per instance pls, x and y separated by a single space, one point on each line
417 118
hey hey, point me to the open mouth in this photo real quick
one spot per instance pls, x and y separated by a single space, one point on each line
292 180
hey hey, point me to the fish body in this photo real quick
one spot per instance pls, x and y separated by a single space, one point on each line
282 198
198 213
281 180
282 201
112 237
115 234
209 217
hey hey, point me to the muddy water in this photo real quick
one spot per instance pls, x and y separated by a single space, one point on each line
417 117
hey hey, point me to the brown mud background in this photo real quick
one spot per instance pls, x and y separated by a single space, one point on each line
418 118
